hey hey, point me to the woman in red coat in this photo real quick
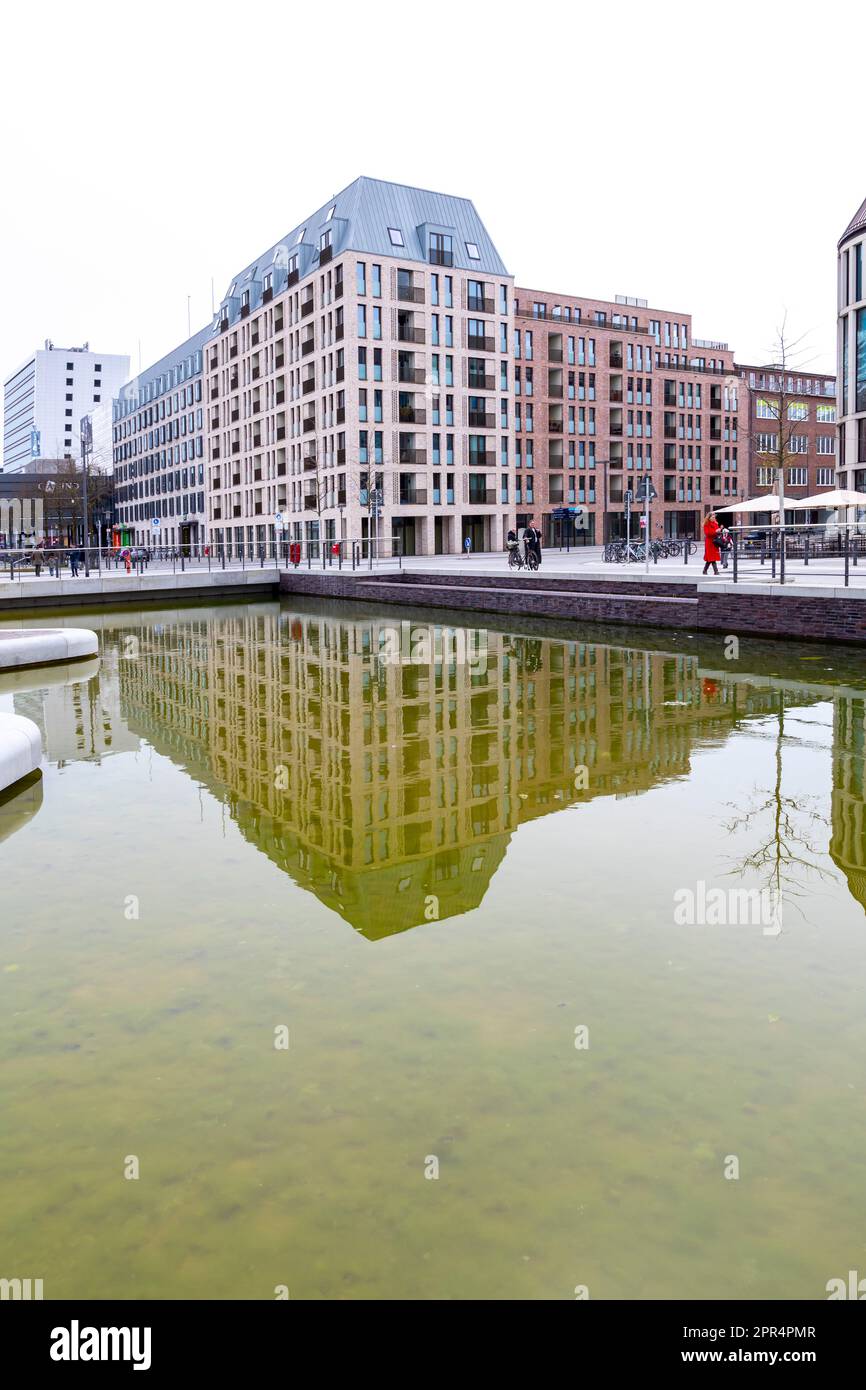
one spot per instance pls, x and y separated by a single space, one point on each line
712 554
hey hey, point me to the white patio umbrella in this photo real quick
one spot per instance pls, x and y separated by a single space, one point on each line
768 503
840 497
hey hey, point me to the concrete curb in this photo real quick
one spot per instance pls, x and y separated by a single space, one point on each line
45 646
20 749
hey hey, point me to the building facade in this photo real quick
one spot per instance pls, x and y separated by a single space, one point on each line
159 451
809 402
357 380
607 392
851 353
45 399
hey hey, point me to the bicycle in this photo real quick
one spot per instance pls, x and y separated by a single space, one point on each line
519 561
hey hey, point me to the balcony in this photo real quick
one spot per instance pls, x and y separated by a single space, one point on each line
224 323
215 451
410 294
214 392
338 333
555 389
615 430
311 502
236 480
441 257
235 415
256 373
554 354
257 407
341 456
477 305
236 446
308 386
338 289
292 278
281 431
217 514
416 498
616 397
307 346
307 307
413 376
413 455
482 499
245 311
311 463
479 420
406 333
341 415
279 397
485 460
233 351
309 424
267 295
479 344
341 497
326 254
477 384
555 426
410 416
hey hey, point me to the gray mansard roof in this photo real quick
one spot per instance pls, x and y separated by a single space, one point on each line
360 218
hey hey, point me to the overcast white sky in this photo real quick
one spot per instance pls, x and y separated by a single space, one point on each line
700 156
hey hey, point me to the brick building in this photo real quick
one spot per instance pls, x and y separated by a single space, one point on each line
809 403
609 391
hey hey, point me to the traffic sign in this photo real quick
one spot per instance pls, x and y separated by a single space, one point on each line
155 522
645 486
278 519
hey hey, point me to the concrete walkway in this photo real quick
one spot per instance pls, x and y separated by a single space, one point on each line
42 646
20 749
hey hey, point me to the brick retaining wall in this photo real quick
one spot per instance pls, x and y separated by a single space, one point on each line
663 604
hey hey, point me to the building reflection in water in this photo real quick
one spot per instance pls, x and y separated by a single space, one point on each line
385 766
390 785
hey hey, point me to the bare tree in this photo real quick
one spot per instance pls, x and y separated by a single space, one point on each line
778 416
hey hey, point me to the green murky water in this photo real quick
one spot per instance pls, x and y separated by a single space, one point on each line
431 857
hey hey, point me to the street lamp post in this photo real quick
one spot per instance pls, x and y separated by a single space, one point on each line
86 448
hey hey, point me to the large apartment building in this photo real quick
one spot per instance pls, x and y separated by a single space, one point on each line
357 379
607 392
376 377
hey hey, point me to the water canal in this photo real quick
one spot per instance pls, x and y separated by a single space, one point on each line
307 899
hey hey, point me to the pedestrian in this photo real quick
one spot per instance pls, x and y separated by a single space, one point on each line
74 561
37 557
712 554
532 541
725 543
467 546
127 560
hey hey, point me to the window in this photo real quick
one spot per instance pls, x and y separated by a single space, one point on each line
441 249
825 414
299 238
825 477
331 210
799 444
798 410
396 236
825 444
798 477
361 277
767 443
325 239
767 410
472 251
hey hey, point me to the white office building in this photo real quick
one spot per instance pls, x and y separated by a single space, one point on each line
46 397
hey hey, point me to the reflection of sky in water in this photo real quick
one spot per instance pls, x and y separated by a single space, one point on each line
155 1036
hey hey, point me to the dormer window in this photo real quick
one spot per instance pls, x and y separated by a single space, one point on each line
472 251
396 236
325 240
441 249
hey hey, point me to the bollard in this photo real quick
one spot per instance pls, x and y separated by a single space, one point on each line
782 548
845 548
806 552
773 556
736 555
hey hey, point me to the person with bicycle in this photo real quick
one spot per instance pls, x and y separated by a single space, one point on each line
532 545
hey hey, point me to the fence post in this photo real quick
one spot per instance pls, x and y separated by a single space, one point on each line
773 556
736 554
845 549
782 548
806 551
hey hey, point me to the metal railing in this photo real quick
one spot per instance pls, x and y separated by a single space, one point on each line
833 549
80 562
